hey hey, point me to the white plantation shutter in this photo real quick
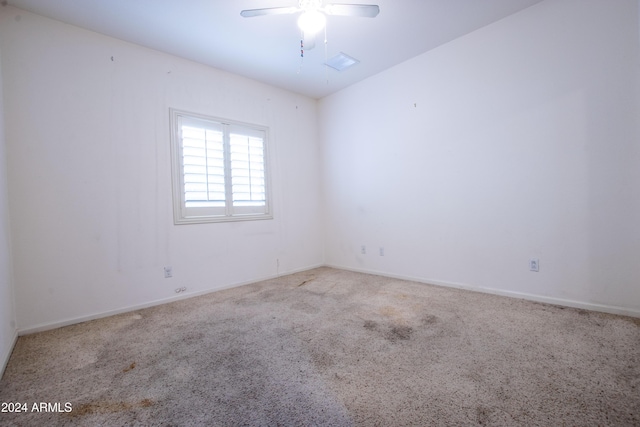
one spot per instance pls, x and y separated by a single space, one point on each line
203 166
219 170
248 189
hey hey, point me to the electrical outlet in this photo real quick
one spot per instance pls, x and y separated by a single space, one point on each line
534 264
363 249
381 251
168 272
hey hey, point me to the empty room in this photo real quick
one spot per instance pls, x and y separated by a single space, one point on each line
292 213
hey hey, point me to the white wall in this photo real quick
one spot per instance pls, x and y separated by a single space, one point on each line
519 140
87 129
7 311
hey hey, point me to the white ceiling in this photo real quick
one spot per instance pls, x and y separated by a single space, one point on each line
267 48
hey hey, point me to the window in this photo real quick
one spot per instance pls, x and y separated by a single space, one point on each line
219 169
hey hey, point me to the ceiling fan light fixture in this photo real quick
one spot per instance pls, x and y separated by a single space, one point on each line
312 21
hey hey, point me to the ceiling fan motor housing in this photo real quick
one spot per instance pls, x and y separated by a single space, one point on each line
308 5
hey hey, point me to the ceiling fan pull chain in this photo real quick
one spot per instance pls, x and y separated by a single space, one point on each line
301 54
326 58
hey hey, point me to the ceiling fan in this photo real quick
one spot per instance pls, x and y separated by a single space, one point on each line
313 17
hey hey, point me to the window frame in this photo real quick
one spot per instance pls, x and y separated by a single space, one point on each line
198 215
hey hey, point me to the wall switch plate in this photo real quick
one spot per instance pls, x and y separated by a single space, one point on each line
363 249
381 251
168 272
534 264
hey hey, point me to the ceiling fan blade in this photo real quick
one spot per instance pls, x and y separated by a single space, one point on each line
361 10
249 13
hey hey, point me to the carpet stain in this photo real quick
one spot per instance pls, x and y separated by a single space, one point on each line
399 332
395 332
389 311
483 415
194 337
429 319
370 325
634 320
130 367
322 359
108 407
608 317
305 282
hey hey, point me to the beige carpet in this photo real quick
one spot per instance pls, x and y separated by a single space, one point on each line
331 347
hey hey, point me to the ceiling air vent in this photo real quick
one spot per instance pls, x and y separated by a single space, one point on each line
341 62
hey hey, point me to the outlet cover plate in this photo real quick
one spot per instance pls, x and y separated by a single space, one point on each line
534 264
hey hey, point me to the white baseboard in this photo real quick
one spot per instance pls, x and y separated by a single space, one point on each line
531 297
72 321
611 309
7 355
